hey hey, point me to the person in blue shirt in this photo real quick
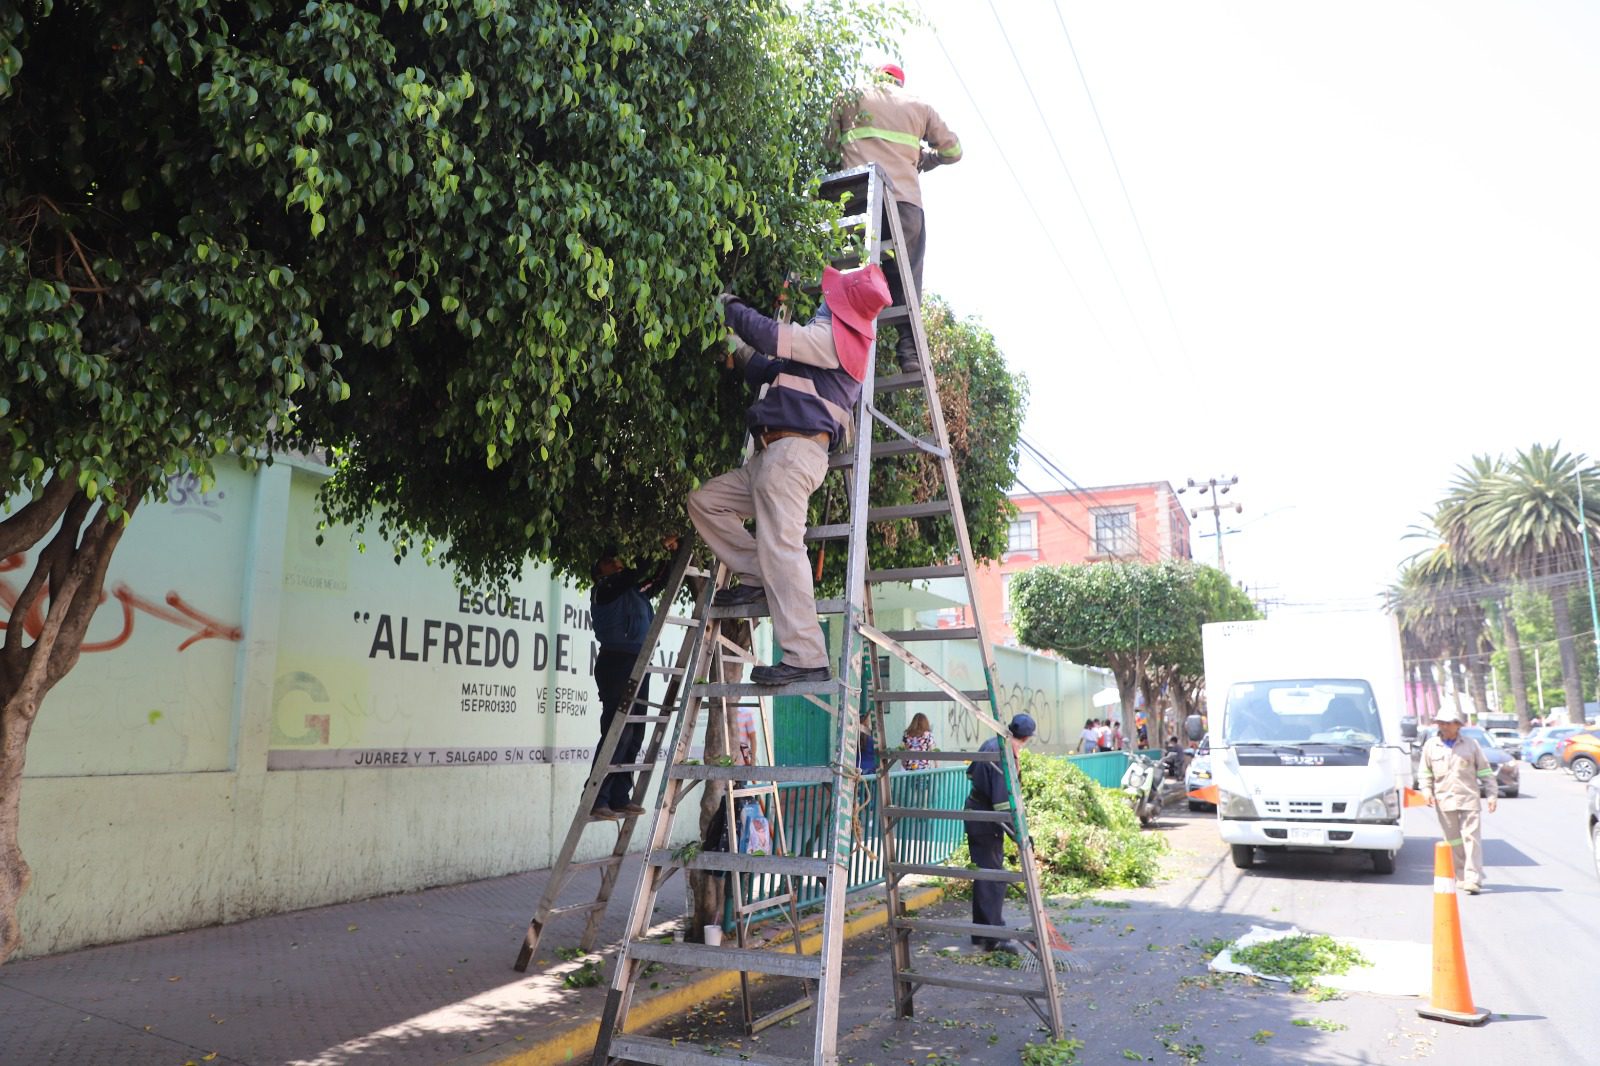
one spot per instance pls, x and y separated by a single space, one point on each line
621 612
985 840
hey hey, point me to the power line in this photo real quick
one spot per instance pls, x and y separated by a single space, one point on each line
1072 182
1017 179
1117 169
1146 545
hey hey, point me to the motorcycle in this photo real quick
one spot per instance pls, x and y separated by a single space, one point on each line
1141 783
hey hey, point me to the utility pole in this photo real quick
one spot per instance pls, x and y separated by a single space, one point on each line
1588 566
1216 486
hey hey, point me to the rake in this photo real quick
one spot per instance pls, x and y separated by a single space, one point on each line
1059 954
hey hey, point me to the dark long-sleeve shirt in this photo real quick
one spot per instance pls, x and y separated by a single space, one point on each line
810 392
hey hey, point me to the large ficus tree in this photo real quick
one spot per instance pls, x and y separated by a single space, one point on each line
468 247
1125 616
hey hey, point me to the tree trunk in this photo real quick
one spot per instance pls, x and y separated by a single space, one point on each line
1477 680
53 610
1571 679
1514 666
1126 671
1457 683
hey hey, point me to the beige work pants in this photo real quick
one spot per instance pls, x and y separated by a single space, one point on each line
774 488
1463 831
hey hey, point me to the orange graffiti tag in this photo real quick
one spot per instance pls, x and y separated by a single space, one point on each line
201 626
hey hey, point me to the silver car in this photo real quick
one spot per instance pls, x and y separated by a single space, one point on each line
1199 775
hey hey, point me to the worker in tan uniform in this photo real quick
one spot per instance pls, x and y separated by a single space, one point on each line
890 127
813 374
1454 773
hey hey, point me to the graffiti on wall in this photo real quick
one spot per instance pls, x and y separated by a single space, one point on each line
175 611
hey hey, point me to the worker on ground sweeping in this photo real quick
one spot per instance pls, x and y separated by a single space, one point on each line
890 127
985 840
814 374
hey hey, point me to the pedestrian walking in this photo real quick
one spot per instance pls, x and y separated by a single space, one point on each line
1116 736
814 374
621 612
1454 775
1089 738
905 136
985 840
1102 736
918 737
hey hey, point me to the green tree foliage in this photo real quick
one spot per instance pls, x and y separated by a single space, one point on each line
469 247
1211 596
1124 616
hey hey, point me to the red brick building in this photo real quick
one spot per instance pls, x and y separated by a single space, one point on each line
1144 522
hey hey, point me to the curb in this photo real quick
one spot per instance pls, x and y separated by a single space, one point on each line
576 1043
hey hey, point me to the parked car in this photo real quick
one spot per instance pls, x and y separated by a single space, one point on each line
1540 747
1199 774
1510 741
1594 823
1580 753
1507 771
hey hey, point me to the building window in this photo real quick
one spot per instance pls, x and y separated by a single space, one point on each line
1005 596
1114 533
1023 534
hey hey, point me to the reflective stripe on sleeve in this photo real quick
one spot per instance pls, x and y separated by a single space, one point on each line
1485 773
892 136
954 149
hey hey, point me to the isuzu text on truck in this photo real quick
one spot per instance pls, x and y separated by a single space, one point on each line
1306 747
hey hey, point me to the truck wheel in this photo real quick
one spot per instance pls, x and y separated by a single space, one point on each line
1383 862
1244 855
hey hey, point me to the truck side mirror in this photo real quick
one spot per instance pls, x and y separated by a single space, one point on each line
1408 728
1193 728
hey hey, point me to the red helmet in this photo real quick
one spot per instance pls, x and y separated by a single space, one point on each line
895 71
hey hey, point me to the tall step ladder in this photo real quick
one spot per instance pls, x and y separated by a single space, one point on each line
711 660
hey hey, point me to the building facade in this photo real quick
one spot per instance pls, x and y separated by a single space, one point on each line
1144 522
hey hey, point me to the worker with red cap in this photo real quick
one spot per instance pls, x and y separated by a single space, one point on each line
813 375
890 127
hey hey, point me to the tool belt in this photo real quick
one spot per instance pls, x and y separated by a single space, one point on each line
765 438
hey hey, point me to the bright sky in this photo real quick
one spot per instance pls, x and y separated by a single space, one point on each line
1377 223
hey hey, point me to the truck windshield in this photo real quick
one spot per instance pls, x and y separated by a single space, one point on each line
1303 712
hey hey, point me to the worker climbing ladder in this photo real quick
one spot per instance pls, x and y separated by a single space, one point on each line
707 676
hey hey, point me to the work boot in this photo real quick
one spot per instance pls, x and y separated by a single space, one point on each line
1004 947
604 814
739 595
787 673
628 808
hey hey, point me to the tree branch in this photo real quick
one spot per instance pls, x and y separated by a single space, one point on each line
99 542
51 567
28 526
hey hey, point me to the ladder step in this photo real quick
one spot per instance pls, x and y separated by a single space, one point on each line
754 790
811 775
730 689
884 448
900 754
628 767
680 620
915 573
633 1048
669 671
837 531
976 695
737 862
763 609
999 817
593 864
930 925
897 382
649 717
969 984
579 908
695 571
908 510
744 960
897 313
946 633
961 873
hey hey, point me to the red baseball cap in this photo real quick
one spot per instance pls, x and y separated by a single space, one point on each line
854 300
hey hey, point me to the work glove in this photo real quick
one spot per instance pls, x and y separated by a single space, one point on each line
928 160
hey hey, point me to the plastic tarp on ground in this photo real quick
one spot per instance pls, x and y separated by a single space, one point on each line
1398 967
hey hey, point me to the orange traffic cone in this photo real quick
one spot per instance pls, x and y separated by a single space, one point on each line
1452 995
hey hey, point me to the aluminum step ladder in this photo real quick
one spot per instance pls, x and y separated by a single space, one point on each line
871 224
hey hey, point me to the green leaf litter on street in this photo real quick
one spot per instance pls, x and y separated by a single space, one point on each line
1301 957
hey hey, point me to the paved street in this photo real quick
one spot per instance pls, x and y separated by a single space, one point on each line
1530 938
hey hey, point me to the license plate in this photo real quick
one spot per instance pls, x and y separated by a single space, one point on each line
1306 836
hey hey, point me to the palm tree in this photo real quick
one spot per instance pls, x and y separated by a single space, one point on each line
1458 519
1528 520
1438 601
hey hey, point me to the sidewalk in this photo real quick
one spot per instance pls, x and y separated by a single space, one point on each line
420 978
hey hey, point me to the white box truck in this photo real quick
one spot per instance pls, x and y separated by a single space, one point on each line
1306 745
